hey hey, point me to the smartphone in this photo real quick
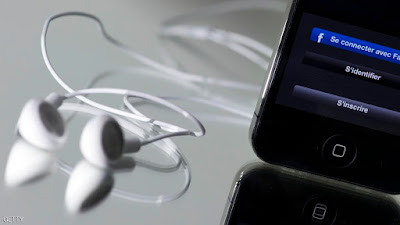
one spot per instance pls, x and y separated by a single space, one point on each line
331 103
264 195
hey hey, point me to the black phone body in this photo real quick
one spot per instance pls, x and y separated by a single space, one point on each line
266 195
331 103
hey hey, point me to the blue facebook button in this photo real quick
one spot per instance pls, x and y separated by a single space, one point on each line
355 45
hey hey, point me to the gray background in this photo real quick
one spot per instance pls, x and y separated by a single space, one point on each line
79 52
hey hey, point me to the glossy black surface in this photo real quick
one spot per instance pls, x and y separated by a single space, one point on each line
265 196
295 138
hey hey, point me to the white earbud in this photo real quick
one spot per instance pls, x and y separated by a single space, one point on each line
27 163
41 124
87 186
102 141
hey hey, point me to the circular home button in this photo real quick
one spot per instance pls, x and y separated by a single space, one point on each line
339 151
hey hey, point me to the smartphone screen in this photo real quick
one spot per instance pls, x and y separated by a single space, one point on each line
344 72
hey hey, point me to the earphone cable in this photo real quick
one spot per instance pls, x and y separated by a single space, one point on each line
152 98
145 60
236 42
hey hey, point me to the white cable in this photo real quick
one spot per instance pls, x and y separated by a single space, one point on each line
160 101
245 52
130 106
111 90
255 45
221 103
232 110
227 7
211 117
238 43
169 127
214 34
214 104
164 126
141 58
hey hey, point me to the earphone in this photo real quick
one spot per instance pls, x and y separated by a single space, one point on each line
41 163
24 155
102 139
81 195
41 124
166 146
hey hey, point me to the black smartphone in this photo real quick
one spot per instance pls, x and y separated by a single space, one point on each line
264 195
331 103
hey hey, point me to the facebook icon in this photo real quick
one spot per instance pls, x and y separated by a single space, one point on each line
320 37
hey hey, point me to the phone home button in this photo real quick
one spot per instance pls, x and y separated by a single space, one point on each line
339 151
